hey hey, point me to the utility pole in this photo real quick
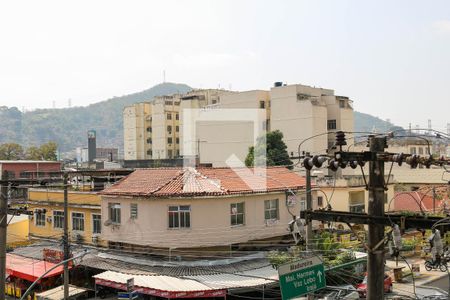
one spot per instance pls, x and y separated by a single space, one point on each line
66 239
434 200
375 258
3 231
309 234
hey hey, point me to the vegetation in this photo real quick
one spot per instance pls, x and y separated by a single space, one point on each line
13 151
68 126
270 150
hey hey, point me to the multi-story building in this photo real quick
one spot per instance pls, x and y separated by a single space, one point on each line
84 211
298 111
195 208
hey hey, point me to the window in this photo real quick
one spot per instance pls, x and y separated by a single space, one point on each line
149 140
169 140
149 129
26 174
180 216
271 209
149 152
114 212
10 174
177 117
169 153
262 104
177 128
178 153
133 210
96 223
169 128
40 219
303 204
58 219
320 201
78 221
237 214
177 140
331 124
342 103
413 150
169 116
420 151
357 208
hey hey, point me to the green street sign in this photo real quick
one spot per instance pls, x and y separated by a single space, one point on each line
301 277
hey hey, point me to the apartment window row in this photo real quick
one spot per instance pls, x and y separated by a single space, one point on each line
331 124
77 221
170 140
179 216
169 116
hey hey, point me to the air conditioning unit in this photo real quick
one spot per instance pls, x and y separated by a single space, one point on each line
95 240
77 237
49 219
271 222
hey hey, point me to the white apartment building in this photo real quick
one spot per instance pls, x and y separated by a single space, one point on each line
298 111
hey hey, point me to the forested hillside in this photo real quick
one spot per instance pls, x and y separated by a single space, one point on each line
68 126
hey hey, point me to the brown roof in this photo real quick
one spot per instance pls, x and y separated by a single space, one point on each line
169 182
416 202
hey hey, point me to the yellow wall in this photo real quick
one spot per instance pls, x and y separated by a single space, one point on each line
17 232
80 202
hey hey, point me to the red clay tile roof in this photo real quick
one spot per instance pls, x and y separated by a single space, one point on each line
170 182
415 201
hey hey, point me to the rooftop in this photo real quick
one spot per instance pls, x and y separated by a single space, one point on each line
186 182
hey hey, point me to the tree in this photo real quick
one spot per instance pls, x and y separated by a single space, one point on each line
33 153
270 150
11 151
48 151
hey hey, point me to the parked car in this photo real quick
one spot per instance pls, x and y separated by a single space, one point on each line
362 287
342 292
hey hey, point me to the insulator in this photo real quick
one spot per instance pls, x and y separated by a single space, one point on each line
361 163
340 138
318 160
308 163
333 165
353 164
398 158
397 237
343 164
413 161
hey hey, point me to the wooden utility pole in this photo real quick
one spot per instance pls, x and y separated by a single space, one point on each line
375 256
66 239
309 233
3 232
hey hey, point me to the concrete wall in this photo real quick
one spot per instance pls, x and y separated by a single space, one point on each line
210 221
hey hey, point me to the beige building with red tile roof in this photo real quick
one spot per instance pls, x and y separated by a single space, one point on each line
206 207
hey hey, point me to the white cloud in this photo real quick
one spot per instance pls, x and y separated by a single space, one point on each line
442 26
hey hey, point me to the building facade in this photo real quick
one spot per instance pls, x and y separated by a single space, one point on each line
298 111
84 211
197 208
29 168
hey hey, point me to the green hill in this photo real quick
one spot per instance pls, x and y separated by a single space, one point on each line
68 126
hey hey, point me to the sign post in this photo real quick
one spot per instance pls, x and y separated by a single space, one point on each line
301 277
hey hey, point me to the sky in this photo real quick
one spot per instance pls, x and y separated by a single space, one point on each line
392 58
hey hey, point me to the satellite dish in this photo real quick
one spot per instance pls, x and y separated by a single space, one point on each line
107 223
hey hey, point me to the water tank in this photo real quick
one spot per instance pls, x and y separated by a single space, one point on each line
278 84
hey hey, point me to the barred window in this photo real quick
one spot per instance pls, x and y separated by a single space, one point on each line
58 219
78 221
237 214
133 210
96 223
180 216
271 209
114 212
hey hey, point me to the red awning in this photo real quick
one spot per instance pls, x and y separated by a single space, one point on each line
28 268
